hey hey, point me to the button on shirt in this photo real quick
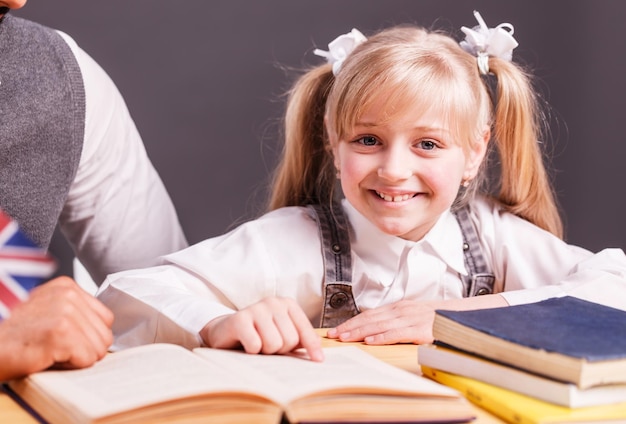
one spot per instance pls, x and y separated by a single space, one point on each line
279 254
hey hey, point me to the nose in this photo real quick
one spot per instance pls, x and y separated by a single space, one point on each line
396 165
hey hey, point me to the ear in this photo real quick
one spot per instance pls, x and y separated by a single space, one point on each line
476 154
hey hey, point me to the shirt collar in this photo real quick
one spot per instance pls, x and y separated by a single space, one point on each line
445 239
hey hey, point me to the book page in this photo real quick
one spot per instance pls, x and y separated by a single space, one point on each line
134 377
344 368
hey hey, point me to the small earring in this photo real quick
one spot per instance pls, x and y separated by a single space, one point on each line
465 183
338 174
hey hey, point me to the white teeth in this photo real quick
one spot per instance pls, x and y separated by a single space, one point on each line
398 198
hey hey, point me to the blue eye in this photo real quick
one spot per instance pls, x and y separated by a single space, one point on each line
427 145
367 140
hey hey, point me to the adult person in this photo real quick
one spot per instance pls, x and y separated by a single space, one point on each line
70 154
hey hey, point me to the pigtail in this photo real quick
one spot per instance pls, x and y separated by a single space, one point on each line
525 187
305 173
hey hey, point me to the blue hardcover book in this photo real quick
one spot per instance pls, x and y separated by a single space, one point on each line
565 338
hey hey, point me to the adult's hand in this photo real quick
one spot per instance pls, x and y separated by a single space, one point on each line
60 325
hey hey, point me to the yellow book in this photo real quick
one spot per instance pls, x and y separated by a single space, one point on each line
516 408
166 383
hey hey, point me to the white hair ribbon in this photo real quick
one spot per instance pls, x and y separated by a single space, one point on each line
340 48
482 42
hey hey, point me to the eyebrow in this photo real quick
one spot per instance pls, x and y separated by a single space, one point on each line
423 128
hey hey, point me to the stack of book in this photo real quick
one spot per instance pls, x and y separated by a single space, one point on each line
555 361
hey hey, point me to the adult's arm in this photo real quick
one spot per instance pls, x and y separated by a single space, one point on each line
118 214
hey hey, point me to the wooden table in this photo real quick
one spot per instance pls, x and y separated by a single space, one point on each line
12 412
402 355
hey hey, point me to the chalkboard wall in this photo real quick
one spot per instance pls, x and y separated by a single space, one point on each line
203 81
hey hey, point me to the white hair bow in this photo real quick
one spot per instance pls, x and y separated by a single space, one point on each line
340 48
482 42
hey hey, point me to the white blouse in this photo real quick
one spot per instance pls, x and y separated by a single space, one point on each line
279 254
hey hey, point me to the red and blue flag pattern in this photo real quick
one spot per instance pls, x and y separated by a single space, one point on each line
23 265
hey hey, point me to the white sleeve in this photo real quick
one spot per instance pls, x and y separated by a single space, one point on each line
171 303
160 304
601 278
118 214
535 265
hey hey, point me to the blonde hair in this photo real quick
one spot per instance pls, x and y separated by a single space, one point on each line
408 65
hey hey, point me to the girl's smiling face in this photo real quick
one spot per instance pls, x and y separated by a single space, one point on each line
402 172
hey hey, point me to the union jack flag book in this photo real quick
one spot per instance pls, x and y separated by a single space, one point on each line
23 265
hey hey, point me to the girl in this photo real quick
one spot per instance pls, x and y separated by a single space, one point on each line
404 120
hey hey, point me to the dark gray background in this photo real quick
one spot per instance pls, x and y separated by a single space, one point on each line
203 81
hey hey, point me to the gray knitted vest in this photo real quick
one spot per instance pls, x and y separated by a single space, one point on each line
42 118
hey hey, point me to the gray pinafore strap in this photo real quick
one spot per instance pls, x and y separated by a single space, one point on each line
339 303
480 279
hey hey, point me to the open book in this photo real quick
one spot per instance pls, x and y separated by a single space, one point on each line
163 382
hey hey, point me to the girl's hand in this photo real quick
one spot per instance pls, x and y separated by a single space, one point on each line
406 321
273 325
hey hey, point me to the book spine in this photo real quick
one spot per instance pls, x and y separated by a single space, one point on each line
495 406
